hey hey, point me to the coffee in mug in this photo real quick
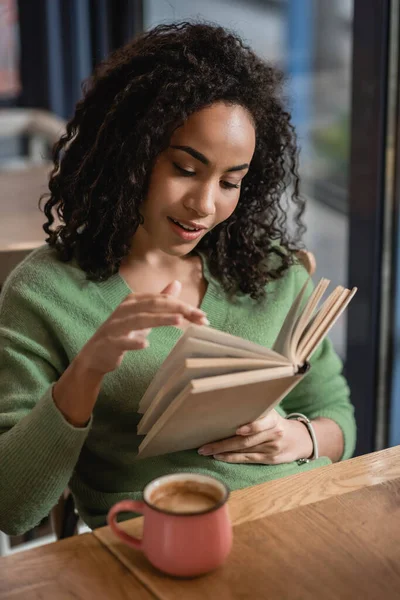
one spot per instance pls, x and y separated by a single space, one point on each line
186 497
187 530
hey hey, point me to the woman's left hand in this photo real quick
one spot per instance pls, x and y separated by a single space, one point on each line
271 440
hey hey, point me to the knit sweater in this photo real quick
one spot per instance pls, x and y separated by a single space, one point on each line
48 311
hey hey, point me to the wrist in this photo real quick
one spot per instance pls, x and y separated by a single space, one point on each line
302 442
75 393
83 367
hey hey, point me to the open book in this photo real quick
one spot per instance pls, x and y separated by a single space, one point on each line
213 382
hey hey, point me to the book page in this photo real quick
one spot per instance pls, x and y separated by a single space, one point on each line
318 334
306 314
230 380
318 318
194 368
230 364
188 346
282 342
227 339
197 417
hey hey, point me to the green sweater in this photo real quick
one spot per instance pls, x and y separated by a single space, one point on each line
48 311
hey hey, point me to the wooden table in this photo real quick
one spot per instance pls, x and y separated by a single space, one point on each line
329 533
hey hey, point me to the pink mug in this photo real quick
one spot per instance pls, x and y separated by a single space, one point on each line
187 529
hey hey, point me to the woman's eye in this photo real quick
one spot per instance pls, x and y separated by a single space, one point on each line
230 186
184 172
226 184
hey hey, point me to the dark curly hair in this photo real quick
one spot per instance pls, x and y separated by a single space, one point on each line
131 105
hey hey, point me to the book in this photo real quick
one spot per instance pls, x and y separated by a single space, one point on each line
213 382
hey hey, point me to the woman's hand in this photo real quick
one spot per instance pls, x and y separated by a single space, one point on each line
127 328
129 325
271 440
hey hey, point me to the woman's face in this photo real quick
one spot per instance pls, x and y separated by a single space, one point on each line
195 183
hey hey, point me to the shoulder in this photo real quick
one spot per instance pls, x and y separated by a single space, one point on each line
42 273
290 282
286 268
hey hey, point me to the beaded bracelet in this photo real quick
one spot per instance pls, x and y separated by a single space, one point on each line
308 424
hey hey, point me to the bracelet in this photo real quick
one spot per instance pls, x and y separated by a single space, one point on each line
308 424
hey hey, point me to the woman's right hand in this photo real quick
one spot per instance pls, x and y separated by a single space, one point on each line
129 325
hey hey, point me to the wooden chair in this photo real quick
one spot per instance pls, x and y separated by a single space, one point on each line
64 517
308 261
22 181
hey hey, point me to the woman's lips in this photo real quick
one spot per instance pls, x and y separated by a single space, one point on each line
188 236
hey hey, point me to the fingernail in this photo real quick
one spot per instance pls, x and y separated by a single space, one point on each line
242 430
205 321
204 452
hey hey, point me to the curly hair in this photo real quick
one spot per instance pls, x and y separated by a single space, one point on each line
131 105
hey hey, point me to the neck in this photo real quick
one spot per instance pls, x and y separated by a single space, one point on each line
143 253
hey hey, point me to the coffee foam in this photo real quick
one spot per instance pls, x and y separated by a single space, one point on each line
185 497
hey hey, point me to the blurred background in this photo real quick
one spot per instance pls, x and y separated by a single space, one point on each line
342 67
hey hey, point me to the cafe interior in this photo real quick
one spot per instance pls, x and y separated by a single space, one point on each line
326 533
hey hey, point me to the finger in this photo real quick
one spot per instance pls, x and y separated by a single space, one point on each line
164 304
263 457
270 421
160 300
144 321
238 443
132 300
173 289
169 304
139 334
128 343
268 448
237 458
144 332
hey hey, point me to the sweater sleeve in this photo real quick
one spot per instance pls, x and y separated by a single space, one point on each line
324 392
38 447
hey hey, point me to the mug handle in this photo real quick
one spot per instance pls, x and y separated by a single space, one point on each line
125 506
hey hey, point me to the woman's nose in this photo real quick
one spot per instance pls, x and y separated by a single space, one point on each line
202 202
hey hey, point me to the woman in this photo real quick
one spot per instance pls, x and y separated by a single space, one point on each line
169 184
